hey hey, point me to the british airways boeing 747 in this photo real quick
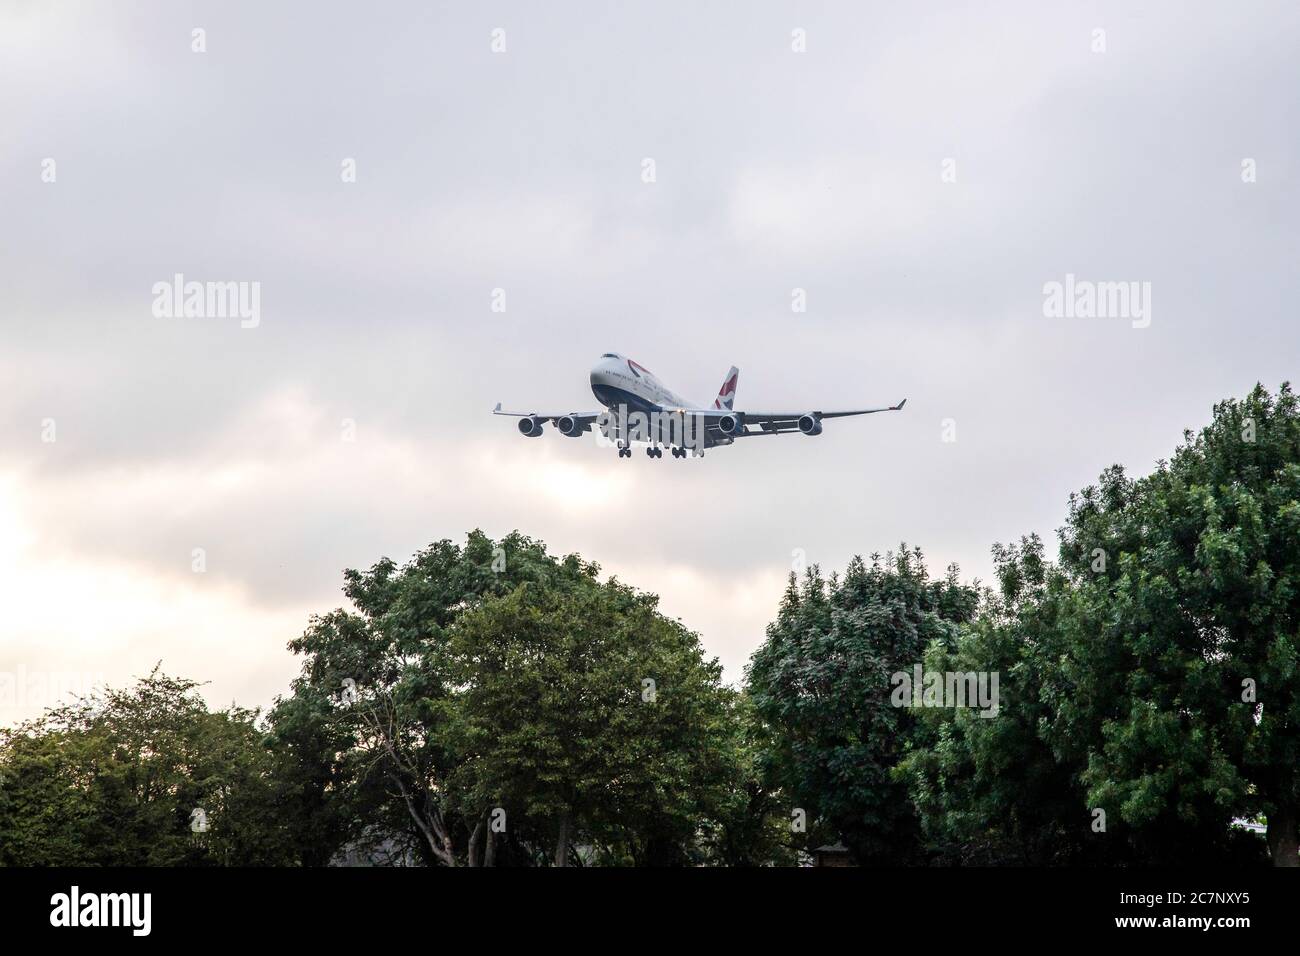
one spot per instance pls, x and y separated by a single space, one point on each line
638 407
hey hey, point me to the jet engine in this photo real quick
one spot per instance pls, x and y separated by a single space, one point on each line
571 426
531 427
810 424
732 424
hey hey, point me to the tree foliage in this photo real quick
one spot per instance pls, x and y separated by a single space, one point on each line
1149 677
116 778
822 682
1186 635
494 684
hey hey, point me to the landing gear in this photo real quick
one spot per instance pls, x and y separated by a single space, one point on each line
656 451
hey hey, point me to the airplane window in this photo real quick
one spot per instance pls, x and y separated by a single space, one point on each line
609 355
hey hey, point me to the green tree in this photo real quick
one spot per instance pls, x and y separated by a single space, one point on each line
1183 636
750 822
592 717
310 777
116 779
991 790
495 677
373 712
1150 676
822 683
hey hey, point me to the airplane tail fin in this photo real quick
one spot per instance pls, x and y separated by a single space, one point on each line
727 394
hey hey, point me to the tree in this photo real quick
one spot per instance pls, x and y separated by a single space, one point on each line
593 717
123 777
1184 631
749 824
494 683
822 682
310 778
991 790
373 695
1149 679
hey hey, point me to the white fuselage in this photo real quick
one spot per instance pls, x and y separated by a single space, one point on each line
617 380
643 408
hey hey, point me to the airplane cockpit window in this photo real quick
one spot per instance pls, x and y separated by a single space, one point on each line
609 355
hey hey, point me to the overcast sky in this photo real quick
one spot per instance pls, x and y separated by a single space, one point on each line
1113 156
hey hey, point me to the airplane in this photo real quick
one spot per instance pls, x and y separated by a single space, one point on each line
639 406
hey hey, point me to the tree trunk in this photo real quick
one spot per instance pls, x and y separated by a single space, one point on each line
490 848
1282 837
430 828
562 844
473 844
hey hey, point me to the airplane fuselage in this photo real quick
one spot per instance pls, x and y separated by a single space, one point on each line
617 381
627 388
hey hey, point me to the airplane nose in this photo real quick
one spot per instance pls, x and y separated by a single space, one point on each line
598 380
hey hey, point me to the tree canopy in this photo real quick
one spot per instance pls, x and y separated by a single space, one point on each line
821 682
494 702
144 776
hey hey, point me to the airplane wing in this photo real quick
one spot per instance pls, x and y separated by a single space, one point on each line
586 416
774 423
742 424
570 423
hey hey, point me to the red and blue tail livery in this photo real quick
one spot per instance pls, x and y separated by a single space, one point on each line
727 394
